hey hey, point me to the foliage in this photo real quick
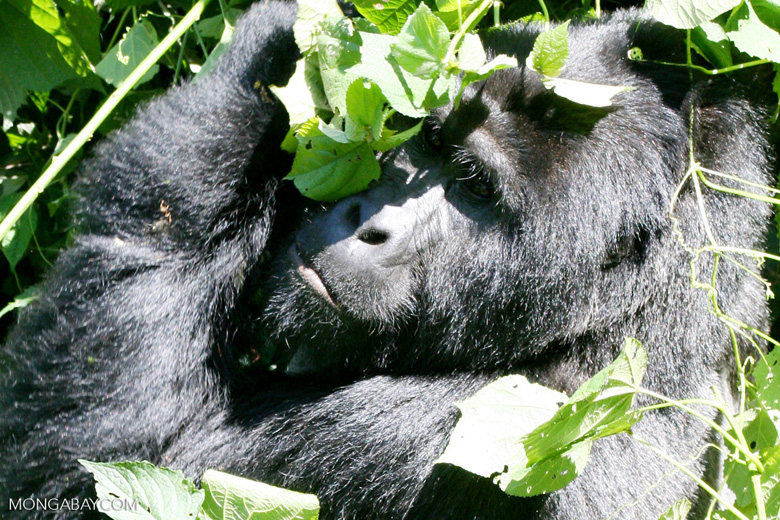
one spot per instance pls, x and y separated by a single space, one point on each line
64 58
156 493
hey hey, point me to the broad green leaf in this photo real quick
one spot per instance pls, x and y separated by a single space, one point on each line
590 94
405 92
38 50
214 26
234 498
750 35
82 20
326 170
388 15
12 96
711 41
22 300
336 130
310 14
502 61
162 494
526 480
550 51
365 106
687 14
678 511
770 481
126 55
338 49
761 435
422 44
454 12
392 139
768 11
493 422
471 55
605 398
14 243
767 376
298 97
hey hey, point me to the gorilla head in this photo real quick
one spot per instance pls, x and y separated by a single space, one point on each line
515 223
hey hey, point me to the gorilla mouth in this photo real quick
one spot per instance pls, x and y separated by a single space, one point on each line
310 276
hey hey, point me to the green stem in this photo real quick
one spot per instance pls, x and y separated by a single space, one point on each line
711 72
712 424
706 487
118 29
59 161
546 15
755 480
467 26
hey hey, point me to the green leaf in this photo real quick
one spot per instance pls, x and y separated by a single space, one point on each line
448 11
392 139
83 22
388 15
678 511
405 92
162 494
39 52
768 11
310 14
687 14
22 300
550 51
338 49
422 44
126 55
767 376
299 97
234 498
365 107
761 434
711 41
214 26
14 243
493 421
524 479
12 96
605 398
326 170
751 36
591 94
471 55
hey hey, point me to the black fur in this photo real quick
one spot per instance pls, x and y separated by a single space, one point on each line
141 345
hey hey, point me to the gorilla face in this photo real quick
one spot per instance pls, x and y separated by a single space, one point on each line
511 222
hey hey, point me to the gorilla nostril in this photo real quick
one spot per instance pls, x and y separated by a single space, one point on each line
373 237
352 216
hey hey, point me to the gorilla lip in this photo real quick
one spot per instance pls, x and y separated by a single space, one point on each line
310 276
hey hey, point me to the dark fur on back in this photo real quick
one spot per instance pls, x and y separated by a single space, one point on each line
131 351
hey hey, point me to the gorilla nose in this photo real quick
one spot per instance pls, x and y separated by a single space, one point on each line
369 233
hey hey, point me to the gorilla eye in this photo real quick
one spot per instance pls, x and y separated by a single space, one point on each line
479 186
431 134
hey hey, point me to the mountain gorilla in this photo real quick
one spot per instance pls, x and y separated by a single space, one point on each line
519 233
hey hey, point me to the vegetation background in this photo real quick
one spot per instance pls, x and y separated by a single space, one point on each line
59 62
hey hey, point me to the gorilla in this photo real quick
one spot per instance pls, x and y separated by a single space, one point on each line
208 316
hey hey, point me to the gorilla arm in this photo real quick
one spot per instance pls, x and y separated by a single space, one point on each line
111 359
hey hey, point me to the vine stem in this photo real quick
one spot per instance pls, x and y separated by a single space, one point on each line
60 160
467 26
703 485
